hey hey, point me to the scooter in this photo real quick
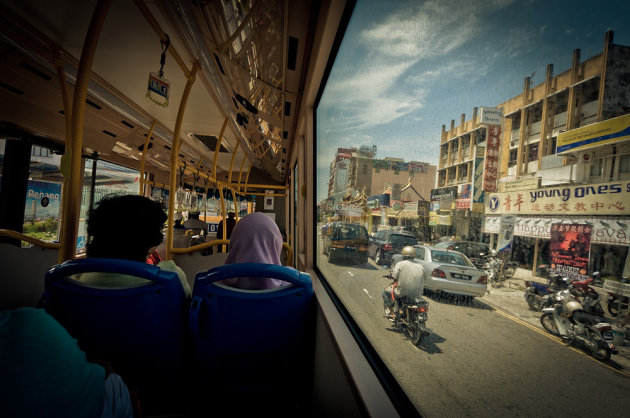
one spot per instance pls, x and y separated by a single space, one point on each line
588 297
411 314
568 320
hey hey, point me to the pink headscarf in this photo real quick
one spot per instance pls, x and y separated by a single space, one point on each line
255 239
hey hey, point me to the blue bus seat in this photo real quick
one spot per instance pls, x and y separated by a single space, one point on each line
252 340
141 329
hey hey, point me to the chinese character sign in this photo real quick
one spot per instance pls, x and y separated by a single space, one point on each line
491 172
570 247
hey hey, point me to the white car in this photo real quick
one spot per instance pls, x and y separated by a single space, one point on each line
448 271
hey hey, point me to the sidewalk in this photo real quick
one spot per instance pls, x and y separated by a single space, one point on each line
510 298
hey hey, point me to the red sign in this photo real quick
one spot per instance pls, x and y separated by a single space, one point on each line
463 203
570 247
491 172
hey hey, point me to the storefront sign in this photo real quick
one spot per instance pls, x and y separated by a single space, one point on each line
490 115
606 132
592 199
491 173
570 246
506 233
463 203
444 193
526 183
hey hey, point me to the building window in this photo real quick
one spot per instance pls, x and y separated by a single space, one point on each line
533 152
624 164
597 168
513 155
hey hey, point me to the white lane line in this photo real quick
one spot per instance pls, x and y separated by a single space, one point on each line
350 273
366 292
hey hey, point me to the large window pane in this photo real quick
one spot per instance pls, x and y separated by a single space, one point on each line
394 123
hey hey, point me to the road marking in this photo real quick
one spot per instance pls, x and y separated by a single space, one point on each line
556 339
350 273
366 292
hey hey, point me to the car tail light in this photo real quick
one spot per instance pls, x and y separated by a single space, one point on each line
337 245
438 273
483 280
423 309
363 248
387 247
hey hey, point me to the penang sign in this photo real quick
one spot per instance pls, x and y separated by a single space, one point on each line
591 199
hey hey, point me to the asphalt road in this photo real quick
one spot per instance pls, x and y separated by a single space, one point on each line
478 362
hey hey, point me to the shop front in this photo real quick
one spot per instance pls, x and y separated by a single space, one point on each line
607 215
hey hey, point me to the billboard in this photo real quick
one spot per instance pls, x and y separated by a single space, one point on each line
606 132
570 247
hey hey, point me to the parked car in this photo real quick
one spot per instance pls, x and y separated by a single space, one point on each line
344 241
448 271
386 243
475 251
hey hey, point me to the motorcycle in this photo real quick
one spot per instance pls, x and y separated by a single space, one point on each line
539 296
498 270
568 320
617 303
587 296
411 314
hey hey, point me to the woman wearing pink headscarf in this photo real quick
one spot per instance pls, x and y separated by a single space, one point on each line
255 239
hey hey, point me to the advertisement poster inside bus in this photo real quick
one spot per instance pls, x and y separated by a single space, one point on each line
570 247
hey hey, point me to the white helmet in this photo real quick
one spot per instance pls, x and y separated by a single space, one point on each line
570 305
408 252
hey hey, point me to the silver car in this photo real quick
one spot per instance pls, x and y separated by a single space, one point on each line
448 271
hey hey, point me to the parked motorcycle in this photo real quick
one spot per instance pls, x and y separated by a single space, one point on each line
617 303
411 314
539 296
587 296
568 320
498 270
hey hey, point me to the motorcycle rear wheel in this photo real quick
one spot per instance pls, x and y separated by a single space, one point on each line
600 351
549 324
413 330
614 306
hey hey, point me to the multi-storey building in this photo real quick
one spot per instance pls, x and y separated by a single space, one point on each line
457 201
565 157
355 171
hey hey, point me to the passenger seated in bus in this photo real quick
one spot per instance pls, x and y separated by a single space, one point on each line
45 373
193 222
256 239
128 227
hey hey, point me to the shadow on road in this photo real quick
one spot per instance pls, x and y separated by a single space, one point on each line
429 344
459 300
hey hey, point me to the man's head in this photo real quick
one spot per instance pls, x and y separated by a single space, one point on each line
124 227
231 215
408 252
193 215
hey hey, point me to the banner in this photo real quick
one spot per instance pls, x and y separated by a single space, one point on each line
605 132
570 247
491 174
506 233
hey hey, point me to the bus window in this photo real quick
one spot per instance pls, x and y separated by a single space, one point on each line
402 126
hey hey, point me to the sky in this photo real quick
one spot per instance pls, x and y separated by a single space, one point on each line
407 67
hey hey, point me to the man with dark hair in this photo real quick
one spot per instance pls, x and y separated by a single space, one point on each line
128 227
230 223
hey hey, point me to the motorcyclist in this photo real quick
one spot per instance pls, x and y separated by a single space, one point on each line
409 281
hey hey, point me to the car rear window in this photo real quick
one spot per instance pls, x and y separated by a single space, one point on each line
350 232
450 258
397 239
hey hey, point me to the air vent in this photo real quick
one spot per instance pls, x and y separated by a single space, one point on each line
91 103
292 55
113 135
210 142
127 124
35 71
62 112
287 108
11 88
167 147
285 134
216 58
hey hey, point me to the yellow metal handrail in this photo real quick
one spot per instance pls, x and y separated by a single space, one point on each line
217 242
31 240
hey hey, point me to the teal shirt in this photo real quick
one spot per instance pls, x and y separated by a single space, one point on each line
43 373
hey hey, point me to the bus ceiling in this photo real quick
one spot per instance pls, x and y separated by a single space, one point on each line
250 59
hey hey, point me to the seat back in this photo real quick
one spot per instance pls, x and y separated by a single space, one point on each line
139 328
252 339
